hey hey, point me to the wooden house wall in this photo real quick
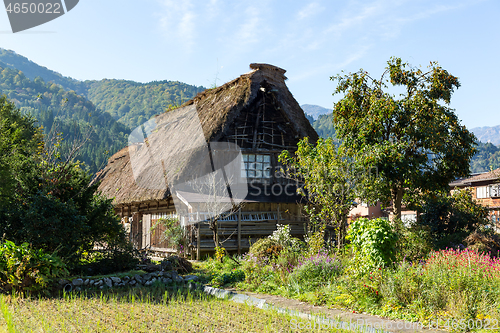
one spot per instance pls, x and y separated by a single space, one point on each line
237 236
493 204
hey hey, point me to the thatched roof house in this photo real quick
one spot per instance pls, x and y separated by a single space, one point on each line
255 112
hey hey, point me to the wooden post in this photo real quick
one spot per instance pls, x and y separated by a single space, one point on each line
198 241
239 231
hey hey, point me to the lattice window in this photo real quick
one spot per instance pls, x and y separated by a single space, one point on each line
256 166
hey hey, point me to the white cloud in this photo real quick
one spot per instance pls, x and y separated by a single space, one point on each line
178 21
309 10
249 30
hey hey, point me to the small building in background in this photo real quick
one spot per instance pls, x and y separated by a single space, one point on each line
485 188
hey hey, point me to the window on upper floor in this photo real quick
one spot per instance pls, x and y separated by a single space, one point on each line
256 166
482 192
491 191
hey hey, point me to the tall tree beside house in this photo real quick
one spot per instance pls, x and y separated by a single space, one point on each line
416 140
48 201
333 179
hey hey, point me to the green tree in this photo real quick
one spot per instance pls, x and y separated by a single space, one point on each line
47 201
416 143
451 218
20 140
333 179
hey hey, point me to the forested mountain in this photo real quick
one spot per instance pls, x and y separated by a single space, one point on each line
324 126
105 110
31 70
487 158
58 110
133 103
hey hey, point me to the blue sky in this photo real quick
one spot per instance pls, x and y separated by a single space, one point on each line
202 42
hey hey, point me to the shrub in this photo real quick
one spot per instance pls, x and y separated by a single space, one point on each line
316 270
107 261
23 268
45 200
452 218
283 238
316 241
225 278
373 242
265 248
414 243
484 241
274 244
256 268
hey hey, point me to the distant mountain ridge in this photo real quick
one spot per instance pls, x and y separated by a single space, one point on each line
31 70
315 110
98 104
105 110
130 103
488 134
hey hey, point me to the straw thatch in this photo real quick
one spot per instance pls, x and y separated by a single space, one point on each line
117 181
175 147
218 107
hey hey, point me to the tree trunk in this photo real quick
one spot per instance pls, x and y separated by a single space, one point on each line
397 199
341 230
213 227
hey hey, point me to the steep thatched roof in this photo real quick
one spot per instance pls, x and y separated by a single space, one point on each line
176 140
218 107
117 181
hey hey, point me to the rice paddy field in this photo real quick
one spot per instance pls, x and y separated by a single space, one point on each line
137 310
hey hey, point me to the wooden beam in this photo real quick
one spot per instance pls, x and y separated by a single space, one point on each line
198 241
239 231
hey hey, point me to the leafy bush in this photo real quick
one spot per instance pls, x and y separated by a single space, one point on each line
373 242
452 218
257 269
220 280
46 201
414 243
316 241
265 248
272 246
316 270
23 268
109 260
283 238
485 241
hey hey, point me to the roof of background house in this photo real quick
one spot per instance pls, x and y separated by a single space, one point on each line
493 175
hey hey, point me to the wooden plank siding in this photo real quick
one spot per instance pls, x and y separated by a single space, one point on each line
249 234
